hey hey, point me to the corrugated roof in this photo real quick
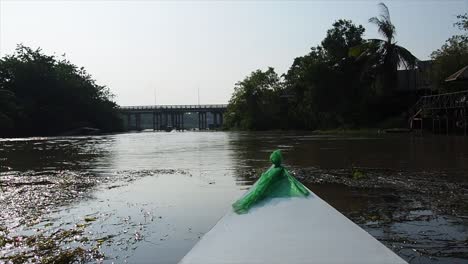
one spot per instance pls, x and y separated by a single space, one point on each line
460 75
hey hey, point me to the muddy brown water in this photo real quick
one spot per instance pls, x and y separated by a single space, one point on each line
148 197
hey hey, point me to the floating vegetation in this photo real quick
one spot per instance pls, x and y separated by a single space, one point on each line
49 247
357 174
90 219
29 198
420 215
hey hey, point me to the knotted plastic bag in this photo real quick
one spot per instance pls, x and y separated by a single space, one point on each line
275 182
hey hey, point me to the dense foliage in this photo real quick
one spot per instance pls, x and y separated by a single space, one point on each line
384 56
346 82
321 90
255 103
452 56
44 95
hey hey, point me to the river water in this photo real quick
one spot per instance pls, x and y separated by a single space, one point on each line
148 197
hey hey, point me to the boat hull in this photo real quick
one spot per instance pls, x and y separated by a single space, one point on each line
289 230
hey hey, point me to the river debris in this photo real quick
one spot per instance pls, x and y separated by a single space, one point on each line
27 199
420 215
49 247
438 191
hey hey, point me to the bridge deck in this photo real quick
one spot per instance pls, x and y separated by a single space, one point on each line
218 107
167 117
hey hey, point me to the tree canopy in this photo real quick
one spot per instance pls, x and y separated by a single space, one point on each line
452 56
45 95
327 88
255 101
320 89
384 56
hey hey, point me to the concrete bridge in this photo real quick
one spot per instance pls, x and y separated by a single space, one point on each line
168 117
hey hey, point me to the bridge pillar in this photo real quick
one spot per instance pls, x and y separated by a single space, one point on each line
159 121
202 121
128 121
138 121
221 119
154 121
172 119
199 121
182 119
215 120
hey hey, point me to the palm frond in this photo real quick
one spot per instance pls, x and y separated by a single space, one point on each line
385 13
370 46
375 20
406 58
383 23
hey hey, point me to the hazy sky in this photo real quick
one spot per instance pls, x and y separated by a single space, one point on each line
137 47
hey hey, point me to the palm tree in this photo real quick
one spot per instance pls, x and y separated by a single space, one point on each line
384 56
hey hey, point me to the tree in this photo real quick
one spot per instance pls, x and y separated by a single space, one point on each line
7 107
384 56
255 101
340 38
47 96
325 83
462 24
452 56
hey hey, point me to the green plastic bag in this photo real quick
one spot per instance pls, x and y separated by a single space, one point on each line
275 182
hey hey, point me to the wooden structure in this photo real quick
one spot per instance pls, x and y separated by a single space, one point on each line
447 112
444 113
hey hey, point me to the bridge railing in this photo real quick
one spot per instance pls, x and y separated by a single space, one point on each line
163 107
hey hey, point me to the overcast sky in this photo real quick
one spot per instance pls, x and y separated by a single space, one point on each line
176 48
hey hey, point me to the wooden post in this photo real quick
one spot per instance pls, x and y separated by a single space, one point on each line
447 123
422 124
465 119
439 121
433 125
154 121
